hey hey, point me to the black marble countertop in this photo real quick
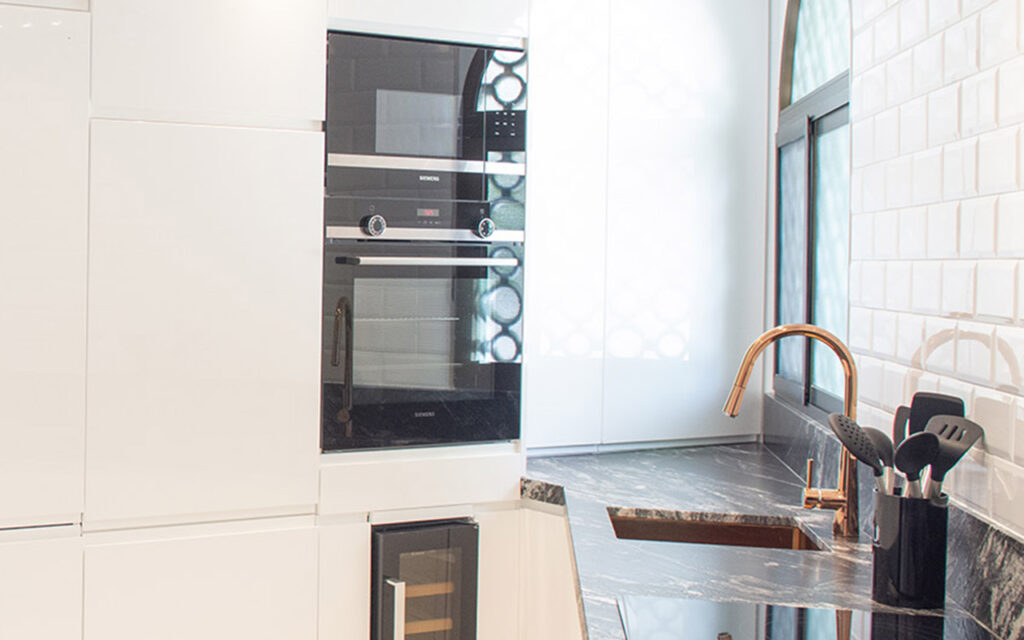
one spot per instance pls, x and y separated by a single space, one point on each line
729 480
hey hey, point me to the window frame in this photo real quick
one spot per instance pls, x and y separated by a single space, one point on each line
822 110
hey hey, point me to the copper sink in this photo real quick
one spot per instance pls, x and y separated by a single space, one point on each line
699 527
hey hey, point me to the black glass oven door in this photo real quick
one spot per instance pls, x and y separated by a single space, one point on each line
422 343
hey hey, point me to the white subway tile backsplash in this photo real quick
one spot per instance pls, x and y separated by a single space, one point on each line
870 375
899 78
887 134
943 230
961 54
863 50
914 125
944 115
872 286
886 227
899 174
894 385
856 191
912 238
926 293
1009 347
860 329
1007 486
862 142
864 11
872 91
994 411
997 161
887 34
960 389
1018 431
978 227
928 59
913 22
960 169
927 176
998 32
897 285
974 352
940 345
958 287
883 333
942 13
996 278
969 482
978 103
1011 91
856 267
862 240
1020 293
909 337
872 186
1010 224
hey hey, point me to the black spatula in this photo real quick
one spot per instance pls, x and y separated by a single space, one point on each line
914 454
956 435
859 444
925 404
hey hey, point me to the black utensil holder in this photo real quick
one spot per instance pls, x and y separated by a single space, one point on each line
909 552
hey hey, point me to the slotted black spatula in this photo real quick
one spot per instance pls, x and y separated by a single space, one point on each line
956 435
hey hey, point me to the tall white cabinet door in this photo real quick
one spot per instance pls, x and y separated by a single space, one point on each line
565 248
445 18
202 585
204 322
344 580
44 110
41 584
686 201
210 61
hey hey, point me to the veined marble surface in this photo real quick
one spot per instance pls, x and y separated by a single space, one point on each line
737 479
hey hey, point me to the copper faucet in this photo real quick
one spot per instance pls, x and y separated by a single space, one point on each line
844 498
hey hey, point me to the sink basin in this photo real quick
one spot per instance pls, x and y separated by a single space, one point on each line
701 527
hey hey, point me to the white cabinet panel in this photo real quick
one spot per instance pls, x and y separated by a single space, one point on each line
686 200
442 18
44 110
344 581
551 604
498 574
566 210
210 61
204 318
41 584
258 585
77 5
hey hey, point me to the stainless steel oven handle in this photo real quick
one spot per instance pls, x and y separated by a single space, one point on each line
343 314
419 261
398 612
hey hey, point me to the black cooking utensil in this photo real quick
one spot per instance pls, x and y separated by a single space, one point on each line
925 404
899 425
914 454
886 453
857 442
956 435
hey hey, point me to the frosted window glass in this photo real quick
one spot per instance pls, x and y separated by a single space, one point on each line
831 251
792 246
822 48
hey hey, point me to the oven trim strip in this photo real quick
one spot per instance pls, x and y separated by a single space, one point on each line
415 163
392 233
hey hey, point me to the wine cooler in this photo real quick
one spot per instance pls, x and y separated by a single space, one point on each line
424 578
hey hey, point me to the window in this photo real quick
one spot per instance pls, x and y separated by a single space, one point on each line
813 220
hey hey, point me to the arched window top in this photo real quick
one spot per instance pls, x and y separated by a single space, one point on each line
820 44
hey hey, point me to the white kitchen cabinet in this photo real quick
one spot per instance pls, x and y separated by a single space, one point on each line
497 22
210 61
44 110
255 580
77 5
41 583
687 133
550 600
204 323
344 594
498 574
565 276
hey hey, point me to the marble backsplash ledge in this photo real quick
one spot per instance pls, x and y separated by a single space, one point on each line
985 565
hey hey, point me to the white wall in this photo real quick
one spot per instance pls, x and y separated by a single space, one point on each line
937 238
645 229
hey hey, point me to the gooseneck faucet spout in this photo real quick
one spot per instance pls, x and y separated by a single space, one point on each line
844 498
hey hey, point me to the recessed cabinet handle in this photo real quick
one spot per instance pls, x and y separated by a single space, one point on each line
398 586
420 261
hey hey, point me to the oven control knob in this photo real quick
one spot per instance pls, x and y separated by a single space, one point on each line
375 225
485 228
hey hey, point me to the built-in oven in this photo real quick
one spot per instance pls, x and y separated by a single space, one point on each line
424 213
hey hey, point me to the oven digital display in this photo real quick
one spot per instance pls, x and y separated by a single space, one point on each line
428 213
